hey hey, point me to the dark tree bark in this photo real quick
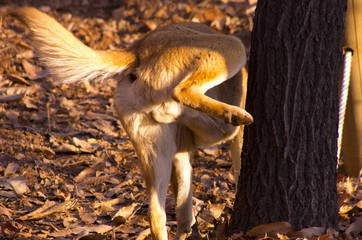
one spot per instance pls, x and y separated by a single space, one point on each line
289 172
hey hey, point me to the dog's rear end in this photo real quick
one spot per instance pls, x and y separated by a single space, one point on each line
160 98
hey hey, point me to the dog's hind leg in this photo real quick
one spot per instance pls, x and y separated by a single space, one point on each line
236 144
157 171
181 181
235 153
155 146
190 93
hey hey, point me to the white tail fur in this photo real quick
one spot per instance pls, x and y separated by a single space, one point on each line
67 58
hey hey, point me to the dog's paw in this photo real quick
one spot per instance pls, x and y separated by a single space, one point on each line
238 116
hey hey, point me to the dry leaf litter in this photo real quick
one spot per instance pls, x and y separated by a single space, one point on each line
67 168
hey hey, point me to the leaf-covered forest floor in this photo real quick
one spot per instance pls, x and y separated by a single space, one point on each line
67 168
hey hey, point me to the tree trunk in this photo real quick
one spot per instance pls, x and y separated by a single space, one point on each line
289 172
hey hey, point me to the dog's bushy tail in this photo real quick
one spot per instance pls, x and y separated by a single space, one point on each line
67 58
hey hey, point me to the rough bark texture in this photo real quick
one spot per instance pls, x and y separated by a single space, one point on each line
289 172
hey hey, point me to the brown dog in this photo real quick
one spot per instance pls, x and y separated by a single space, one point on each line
160 98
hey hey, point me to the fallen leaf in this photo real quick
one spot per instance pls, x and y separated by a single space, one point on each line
67 148
359 204
61 233
349 186
99 116
12 115
206 216
84 145
222 228
26 54
106 127
48 208
359 191
99 180
12 94
85 173
12 98
81 143
345 209
218 23
312 231
282 237
355 227
18 79
19 185
139 220
204 224
24 44
14 90
87 214
322 237
5 211
125 212
114 191
270 229
89 88
11 168
9 228
237 236
33 72
230 177
332 232
108 205
66 103
197 205
151 24
143 234
89 231
211 151
42 149
68 221
35 213
29 104
6 188
223 164
217 209
206 180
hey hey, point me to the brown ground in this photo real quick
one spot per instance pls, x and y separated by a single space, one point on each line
64 154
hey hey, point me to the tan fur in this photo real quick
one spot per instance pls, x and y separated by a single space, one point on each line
180 86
